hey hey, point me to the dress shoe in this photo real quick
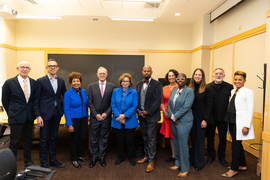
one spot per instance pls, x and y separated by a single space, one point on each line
102 162
150 167
76 164
183 174
31 163
45 165
57 164
170 159
143 160
174 168
210 160
82 159
223 162
197 169
132 162
119 160
92 163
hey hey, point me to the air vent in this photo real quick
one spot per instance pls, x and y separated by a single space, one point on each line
32 2
151 5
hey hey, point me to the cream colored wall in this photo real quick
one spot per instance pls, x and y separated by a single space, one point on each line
197 33
10 32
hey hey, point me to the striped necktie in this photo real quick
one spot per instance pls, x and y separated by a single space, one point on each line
25 90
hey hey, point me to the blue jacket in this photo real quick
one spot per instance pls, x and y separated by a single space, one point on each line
73 106
131 106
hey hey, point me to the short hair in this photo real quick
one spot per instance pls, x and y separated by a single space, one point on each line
102 68
173 71
241 73
74 75
123 76
52 60
22 62
219 69
182 74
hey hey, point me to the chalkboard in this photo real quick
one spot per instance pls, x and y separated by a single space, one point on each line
87 65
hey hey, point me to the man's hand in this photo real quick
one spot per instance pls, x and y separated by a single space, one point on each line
70 129
104 115
177 122
203 124
99 117
40 122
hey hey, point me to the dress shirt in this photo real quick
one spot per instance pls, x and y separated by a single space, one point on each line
145 85
104 86
174 99
54 84
21 81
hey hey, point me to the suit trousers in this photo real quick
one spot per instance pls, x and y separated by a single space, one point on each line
198 146
48 137
238 154
149 134
180 139
222 133
99 135
15 133
125 135
78 137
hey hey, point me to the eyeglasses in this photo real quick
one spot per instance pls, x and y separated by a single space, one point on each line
52 66
26 68
182 79
125 81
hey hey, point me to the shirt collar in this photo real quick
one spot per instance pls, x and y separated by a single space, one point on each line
20 79
149 80
104 83
75 89
51 77
127 91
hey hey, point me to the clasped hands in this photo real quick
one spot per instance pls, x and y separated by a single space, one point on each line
101 117
121 118
142 113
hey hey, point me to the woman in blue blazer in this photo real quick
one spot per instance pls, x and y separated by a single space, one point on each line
180 113
76 115
124 103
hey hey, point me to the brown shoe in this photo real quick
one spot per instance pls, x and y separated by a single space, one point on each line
143 160
183 174
174 168
150 167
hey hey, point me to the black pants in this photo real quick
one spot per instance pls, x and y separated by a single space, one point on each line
238 154
198 146
15 133
211 131
78 137
48 137
125 135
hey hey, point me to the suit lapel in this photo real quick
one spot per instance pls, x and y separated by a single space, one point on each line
32 88
19 87
106 89
47 80
97 88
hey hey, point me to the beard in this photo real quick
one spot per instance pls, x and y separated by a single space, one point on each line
218 80
146 78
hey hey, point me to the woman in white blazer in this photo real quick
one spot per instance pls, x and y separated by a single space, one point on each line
239 116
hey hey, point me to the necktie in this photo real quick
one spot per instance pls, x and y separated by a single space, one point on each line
101 90
25 90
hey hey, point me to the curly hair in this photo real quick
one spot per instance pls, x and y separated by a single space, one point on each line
173 71
123 76
74 75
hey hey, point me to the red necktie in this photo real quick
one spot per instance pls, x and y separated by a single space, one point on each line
101 90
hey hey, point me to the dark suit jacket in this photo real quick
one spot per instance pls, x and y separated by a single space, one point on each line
221 98
97 104
153 100
45 97
14 102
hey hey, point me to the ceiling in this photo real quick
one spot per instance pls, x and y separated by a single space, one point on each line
100 10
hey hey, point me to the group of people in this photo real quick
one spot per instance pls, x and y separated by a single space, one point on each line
187 110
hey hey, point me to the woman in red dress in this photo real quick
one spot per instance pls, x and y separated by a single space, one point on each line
166 124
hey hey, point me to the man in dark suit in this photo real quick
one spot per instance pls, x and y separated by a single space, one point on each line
149 99
99 102
48 109
17 99
222 92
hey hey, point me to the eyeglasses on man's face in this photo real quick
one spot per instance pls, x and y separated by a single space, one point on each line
52 66
25 67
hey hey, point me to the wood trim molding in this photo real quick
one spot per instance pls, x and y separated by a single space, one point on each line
267 14
8 46
266 137
200 48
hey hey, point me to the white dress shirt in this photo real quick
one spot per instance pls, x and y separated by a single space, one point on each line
21 81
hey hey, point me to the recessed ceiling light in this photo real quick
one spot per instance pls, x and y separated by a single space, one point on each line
177 14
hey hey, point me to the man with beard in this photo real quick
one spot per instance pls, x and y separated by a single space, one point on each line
149 99
222 92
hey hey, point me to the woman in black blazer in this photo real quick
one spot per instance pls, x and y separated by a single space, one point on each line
201 110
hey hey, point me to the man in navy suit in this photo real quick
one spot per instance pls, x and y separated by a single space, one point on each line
149 99
17 99
48 109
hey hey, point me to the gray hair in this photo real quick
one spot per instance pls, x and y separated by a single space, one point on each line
219 69
102 68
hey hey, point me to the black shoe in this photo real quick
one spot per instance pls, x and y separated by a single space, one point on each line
76 164
92 163
223 162
102 162
170 159
197 169
57 164
210 160
31 163
132 162
82 159
45 165
119 160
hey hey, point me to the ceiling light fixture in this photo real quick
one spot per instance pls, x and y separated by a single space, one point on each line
177 14
38 17
131 18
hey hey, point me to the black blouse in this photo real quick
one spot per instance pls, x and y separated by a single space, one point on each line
231 112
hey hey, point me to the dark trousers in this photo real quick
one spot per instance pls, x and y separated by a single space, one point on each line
149 134
15 133
198 146
238 154
222 131
125 135
48 137
78 137
99 135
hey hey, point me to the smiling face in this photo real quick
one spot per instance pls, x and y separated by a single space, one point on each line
102 74
181 80
239 81
76 83
197 76
171 77
147 72
52 68
125 83
23 69
218 76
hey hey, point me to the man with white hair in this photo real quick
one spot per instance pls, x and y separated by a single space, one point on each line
221 96
17 99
